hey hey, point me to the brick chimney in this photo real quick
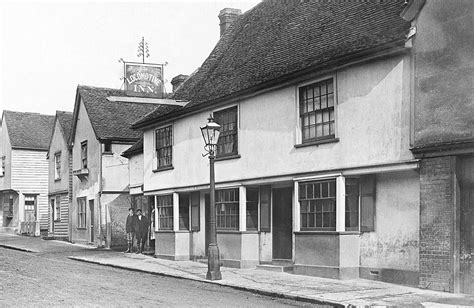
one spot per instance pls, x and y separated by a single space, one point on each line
227 16
178 80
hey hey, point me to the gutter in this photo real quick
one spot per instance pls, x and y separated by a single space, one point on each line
390 49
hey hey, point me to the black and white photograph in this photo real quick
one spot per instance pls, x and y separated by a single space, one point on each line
237 153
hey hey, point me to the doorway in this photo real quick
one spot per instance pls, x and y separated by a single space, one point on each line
91 210
52 216
466 188
282 223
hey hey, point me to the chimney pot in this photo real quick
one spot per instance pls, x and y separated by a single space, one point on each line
227 16
178 80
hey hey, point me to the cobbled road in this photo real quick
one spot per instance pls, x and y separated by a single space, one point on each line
49 278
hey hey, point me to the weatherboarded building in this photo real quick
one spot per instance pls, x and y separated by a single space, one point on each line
60 176
100 191
24 144
314 172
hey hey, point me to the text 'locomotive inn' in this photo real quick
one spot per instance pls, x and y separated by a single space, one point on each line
346 148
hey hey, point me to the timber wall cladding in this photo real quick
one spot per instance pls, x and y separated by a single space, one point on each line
30 176
436 222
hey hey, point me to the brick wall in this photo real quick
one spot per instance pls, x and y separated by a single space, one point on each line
436 222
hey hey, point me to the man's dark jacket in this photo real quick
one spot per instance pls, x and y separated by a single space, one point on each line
141 226
131 223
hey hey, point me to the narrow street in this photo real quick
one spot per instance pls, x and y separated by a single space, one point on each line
51 279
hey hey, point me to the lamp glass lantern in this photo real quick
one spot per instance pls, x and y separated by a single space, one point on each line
210 134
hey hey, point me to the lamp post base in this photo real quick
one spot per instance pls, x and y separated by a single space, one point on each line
213 263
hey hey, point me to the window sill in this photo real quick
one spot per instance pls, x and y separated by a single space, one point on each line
316 142
165 231
108 153
57 180
81 228
234 156
315 232
228 231
163 168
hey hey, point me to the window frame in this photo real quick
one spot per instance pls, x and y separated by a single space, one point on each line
81 223
156 166
231 210
84 154
57 166
300 127
166 217
232 154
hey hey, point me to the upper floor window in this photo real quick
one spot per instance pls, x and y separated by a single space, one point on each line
227 144
317 110
84 154
57 166
164 146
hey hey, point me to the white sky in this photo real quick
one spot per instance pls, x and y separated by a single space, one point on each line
48 48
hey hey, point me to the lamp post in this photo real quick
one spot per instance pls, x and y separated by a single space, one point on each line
210 133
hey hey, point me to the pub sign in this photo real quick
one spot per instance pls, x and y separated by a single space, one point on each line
144 79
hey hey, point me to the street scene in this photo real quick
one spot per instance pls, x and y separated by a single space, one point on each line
255 153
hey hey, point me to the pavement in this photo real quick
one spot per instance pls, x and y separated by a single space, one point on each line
339 293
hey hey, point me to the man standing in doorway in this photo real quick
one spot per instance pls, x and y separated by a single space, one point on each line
141 229
130 229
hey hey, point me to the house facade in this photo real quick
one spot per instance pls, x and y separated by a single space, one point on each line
444 140
314 169
60 177
100 184
24 175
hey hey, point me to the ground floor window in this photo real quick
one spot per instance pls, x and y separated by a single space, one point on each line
352 204
165 212
184 212
252 208
318 205
227 209
81 212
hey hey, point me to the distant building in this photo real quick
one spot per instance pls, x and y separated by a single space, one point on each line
24 144
60 177
137 199
100 191
314 172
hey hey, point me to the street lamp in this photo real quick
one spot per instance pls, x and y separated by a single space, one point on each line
210 133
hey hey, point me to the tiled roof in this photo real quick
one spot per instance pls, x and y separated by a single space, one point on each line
280 38
135 149
65 122
112 120
29 130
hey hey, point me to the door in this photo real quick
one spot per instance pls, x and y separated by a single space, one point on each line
282 223
91 226
207 204
52 216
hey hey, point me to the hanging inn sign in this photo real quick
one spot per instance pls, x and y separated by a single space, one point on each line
143 79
